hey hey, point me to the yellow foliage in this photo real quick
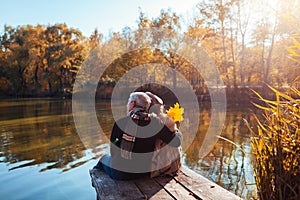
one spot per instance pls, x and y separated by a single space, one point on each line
294 50
276 146
176 113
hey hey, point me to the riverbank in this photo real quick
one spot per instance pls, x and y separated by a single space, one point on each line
233 95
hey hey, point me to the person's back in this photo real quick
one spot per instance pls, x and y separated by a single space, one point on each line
136 142
133 140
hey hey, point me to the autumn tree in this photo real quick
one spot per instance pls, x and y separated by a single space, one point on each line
167 38
216 15
41 60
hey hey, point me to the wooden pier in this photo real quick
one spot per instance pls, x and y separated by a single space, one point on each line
186 185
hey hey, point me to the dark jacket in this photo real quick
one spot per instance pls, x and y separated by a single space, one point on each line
133 142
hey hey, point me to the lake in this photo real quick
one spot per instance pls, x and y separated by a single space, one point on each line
42 155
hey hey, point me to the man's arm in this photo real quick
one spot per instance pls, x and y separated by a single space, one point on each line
172 138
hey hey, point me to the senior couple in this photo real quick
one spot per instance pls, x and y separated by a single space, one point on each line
145 143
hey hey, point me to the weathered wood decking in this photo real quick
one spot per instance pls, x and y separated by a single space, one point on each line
187 185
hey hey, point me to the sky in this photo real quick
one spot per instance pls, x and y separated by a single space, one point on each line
86 15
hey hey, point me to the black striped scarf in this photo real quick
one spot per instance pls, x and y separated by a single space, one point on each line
128 138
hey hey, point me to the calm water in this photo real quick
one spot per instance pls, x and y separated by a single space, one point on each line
43 157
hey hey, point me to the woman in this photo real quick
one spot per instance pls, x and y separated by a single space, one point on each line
166 159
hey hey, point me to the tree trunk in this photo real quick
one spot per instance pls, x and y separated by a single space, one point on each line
174 79
233 58
269 59
242 61
36 81
50 87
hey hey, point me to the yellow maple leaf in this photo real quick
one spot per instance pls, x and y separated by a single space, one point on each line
176 112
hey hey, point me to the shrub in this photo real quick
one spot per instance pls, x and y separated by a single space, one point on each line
276 146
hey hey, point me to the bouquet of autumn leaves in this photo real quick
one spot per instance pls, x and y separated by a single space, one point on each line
176 113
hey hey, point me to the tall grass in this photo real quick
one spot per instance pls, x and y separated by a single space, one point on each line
276 141
276 146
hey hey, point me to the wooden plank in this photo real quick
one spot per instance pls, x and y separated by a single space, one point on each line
202 187
187 185
174 188
152 190
129 190
107 188
103 185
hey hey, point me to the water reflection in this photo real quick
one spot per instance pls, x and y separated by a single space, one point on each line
226 164
41 133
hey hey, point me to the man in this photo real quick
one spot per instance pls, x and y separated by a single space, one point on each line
133 140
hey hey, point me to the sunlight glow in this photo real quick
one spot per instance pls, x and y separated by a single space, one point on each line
266 10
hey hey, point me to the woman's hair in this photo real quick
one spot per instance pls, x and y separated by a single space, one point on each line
157 104
141 100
